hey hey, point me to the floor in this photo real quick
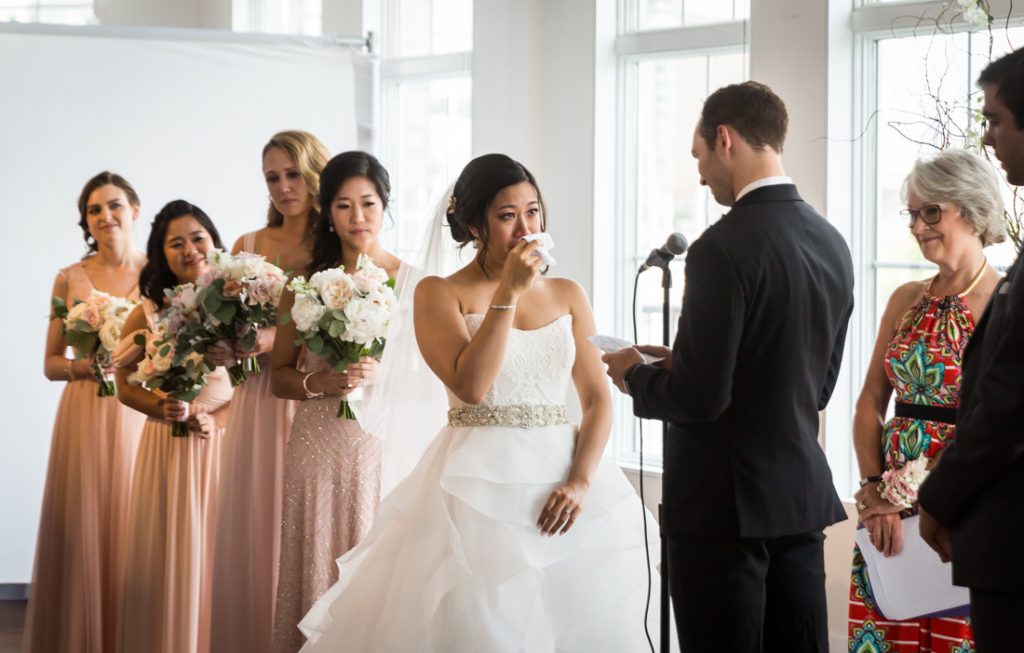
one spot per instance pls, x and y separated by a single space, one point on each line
12 618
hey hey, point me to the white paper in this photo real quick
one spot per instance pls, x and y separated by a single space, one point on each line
547 243
913 583
611 344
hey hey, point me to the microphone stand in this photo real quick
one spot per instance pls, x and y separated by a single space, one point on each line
666 285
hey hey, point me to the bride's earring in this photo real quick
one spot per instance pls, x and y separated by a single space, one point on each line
330 226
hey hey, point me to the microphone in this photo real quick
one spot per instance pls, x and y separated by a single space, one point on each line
660 257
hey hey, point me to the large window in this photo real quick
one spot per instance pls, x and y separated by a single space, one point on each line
916 93
665 75
426 104
65 12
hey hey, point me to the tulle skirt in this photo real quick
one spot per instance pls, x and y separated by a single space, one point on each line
165 605
83 526
455 561
249 517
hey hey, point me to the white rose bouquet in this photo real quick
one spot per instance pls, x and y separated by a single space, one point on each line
171 364
237 295
92 327
342 317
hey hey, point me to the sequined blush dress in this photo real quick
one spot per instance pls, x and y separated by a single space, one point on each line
455 561
923 365
330 496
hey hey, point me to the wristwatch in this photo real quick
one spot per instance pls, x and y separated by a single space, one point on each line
870 479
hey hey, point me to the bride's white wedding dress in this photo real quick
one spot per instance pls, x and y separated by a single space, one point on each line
455 561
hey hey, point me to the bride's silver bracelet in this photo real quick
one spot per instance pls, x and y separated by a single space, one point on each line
503 307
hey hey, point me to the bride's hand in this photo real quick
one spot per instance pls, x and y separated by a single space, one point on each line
562 509
521 268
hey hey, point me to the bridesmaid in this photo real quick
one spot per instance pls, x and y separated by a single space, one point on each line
249 517
165 605
85 502
332 467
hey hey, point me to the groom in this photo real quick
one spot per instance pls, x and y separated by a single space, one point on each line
971 501
747 489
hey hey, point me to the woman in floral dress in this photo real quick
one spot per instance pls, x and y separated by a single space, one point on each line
954 210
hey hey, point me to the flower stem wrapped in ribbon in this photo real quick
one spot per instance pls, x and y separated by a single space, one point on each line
236 296
92 327
342 317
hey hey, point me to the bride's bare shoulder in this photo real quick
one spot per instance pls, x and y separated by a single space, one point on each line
433 288
566 290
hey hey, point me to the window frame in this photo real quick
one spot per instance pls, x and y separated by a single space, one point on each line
631 48
396 71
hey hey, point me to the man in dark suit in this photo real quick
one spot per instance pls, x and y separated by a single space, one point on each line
972 501
747 489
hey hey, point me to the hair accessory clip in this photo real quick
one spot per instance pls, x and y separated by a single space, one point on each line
451 204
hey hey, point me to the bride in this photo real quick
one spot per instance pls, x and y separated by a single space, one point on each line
512 533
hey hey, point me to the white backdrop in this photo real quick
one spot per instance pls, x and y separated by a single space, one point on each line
180 114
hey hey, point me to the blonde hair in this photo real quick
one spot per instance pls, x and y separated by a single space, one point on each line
963 178
310 156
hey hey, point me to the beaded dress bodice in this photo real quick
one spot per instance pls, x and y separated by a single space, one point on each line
537 367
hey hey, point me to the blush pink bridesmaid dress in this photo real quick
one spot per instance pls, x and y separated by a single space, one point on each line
82 528
249 517
165 603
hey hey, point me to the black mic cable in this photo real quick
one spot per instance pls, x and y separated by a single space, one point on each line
640 475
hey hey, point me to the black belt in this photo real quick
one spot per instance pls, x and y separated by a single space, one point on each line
942 414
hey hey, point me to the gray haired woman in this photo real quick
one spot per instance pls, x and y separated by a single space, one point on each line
954 210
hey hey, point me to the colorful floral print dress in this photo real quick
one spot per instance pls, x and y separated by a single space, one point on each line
923 365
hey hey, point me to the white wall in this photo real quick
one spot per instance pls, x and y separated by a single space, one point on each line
181 115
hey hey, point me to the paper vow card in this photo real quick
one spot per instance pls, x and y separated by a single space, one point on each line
611 344
914 583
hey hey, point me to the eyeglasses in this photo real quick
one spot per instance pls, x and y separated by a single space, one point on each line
930 213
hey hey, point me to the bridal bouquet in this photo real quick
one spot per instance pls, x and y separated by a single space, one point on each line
899 486
93 327
342 317
237 295
171 363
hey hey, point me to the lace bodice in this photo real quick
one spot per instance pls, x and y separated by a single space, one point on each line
537 366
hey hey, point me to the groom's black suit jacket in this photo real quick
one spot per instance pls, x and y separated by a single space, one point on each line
977 487
769 291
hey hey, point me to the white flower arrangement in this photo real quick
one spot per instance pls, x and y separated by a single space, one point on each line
342 317
975 12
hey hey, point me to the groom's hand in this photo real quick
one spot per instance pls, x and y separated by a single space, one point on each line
658 351
621 362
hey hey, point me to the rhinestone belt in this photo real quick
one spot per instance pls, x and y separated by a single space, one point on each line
523 416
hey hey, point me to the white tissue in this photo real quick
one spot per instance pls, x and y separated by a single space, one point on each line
546 243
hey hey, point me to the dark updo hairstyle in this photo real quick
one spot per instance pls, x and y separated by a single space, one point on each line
481 180
156 275
105 178
345 166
